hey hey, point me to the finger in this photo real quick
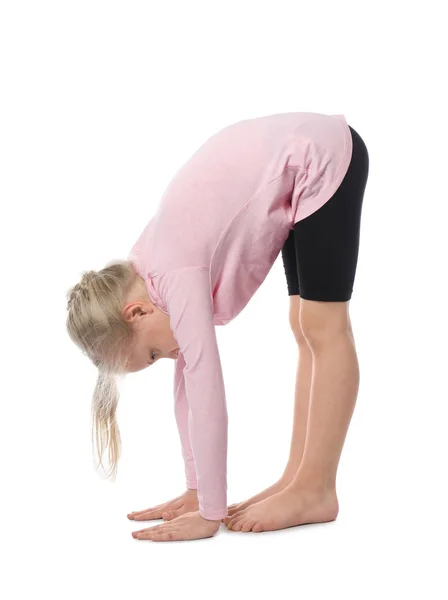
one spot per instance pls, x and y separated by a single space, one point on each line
152 532
148 516
155 528
143 513
169 536
139 512
154 514
158 507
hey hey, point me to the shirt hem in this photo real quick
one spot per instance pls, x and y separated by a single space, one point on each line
329 192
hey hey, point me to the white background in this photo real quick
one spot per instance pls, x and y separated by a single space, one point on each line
101 102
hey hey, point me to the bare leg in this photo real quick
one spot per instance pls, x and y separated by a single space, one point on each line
301 405
302 392
311 496
334 391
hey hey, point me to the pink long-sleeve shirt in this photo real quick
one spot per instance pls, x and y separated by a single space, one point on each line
220 225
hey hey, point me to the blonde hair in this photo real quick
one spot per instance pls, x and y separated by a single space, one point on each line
96 326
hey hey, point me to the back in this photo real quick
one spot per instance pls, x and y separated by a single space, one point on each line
231 206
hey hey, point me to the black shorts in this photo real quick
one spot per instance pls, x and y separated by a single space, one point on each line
321 252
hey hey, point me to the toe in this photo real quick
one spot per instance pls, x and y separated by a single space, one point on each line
257 527
247 525
233 510
238 524
232 519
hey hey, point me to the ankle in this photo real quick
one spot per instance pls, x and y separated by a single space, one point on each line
314 484
287 478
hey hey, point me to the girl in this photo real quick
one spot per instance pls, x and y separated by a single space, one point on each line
290 182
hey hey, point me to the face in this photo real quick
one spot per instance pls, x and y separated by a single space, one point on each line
153 337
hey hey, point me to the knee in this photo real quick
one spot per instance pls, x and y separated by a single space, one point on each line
321 322
294 322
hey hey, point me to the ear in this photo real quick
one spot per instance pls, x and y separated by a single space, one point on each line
133 311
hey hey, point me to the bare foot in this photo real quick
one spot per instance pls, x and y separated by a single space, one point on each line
270 491
288 508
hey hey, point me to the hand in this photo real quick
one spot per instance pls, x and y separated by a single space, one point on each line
190 526
187 502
